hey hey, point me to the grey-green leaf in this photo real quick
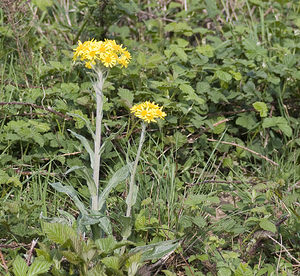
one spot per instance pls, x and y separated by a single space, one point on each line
86 145
119 176
70 191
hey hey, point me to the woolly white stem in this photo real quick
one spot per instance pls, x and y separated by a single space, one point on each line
131 185
98 86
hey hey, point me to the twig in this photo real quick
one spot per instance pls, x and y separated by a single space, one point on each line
3 262
244 148
29 255
284 248
49 109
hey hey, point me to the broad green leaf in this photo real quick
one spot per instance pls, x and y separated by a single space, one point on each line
141 59
199 221
181 54
286 129
224 271
19 266
98 270
72 257
190 93
106 245
218 129
86 145
39 126
70 191
267 225
43 4
111 262
126 95
140 221
205 50
279 122
193 200
119 176
39 267
153 60
262 108
212 9
178 27
203 87
224 76
246 120
58 232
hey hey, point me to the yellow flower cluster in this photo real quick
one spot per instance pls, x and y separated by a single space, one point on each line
107 52
148 111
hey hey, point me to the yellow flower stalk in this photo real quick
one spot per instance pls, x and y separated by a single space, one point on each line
100 56
148 112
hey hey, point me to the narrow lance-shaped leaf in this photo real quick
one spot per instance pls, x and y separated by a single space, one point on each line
69 190
119 176
86 145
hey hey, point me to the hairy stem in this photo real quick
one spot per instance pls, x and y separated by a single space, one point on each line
131 185
98 85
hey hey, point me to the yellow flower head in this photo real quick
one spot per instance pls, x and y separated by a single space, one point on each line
148 111
106 53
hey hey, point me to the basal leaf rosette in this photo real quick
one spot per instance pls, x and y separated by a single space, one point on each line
106 53
148 111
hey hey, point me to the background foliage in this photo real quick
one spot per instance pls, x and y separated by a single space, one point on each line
221 172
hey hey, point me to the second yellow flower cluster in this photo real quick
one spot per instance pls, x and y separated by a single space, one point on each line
107 52
148 111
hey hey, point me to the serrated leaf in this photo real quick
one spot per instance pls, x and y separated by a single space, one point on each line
119 176
58 232
111 262
262 108
190 93
193 200
39 267
106 244
224 76
181 54
267 225
141 59
72 257
126 95
205 50
19 266
224 271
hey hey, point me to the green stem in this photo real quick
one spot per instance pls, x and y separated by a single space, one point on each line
98 85
131 185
